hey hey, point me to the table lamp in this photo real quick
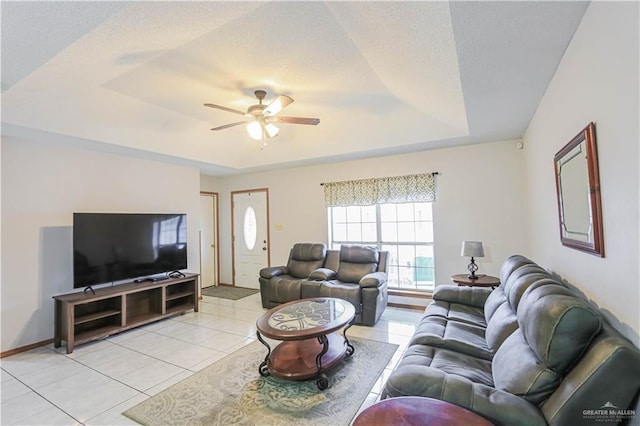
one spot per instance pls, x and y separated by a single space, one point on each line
472 249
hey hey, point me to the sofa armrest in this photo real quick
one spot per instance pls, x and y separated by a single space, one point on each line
470 296
273 271
500 407
322 274
374 279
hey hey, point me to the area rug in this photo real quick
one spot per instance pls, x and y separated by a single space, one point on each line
231 392
229 292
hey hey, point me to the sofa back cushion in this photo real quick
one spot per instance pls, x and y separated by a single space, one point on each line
502 304
357 261
516 369
520 280
557 325
305 258
555 328
500 326
511 264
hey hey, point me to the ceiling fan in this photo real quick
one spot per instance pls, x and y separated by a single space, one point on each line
260 117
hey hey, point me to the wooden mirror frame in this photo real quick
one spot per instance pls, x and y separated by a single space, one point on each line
595 245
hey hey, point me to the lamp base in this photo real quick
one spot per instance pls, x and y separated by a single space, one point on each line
472 268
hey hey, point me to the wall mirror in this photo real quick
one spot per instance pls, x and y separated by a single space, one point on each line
578 189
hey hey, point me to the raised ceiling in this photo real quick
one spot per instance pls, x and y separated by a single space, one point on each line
383 77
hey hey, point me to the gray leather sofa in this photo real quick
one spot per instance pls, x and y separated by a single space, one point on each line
531 352
354 273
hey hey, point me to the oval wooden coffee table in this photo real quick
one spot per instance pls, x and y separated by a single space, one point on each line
310 344
418 411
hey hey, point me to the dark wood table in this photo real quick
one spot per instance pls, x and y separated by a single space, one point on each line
482 281
310 343
418 411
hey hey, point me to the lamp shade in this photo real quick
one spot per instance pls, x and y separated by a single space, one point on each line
472 249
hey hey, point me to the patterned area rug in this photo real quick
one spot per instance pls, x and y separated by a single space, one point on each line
229 292
231 392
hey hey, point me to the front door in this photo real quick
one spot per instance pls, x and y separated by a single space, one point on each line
250 236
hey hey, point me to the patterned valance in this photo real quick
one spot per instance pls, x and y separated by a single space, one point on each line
397 189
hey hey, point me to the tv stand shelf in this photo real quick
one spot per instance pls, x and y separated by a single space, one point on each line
82 317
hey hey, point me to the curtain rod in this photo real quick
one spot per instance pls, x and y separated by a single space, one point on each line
433 173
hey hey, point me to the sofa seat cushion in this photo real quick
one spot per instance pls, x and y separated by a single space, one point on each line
474 369
456 311
346 291
284 288
453 335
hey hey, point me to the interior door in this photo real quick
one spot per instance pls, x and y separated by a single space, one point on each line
250 236
208 239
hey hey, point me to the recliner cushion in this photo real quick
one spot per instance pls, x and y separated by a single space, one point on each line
558 325
516 369
356 262
502 323
511 264
306 258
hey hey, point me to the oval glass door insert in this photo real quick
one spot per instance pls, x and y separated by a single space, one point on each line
250 228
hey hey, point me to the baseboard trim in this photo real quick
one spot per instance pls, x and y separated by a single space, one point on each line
409 293
25 348
401 305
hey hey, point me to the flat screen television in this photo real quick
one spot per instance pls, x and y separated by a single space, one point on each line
109 247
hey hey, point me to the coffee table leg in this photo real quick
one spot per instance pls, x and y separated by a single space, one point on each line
264 369
323 381
350 348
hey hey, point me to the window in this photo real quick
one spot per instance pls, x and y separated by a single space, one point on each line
405 230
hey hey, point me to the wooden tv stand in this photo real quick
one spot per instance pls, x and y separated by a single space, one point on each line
84 316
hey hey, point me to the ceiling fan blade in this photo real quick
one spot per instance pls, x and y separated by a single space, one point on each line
226 126
235 111
295 120
278 105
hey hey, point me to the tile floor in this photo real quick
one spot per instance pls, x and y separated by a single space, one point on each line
99 380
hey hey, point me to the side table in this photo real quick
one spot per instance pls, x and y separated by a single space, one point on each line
417 411
482 281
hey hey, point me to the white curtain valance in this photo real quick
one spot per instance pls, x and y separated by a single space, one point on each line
397 189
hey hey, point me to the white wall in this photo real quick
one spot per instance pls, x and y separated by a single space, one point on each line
42 185
479 197
597 81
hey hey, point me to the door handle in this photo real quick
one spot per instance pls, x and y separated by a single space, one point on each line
264 249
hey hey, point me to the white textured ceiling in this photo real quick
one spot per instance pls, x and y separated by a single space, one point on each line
383 77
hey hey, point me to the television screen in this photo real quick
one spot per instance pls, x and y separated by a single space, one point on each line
110 247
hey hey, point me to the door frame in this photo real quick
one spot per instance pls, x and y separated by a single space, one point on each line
216 214
233 235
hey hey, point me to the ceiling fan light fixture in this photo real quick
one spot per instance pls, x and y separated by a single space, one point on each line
271 129
261 127
255 130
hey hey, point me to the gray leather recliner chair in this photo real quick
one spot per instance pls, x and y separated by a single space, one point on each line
281 284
